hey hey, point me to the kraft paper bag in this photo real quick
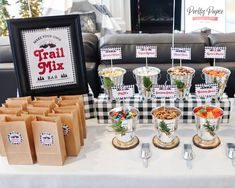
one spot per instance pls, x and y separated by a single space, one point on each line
79 120
75 100
26 99
12 111
2 148
36 111
49 140
3 113
47 104
15 104
17 137
70 128
46 98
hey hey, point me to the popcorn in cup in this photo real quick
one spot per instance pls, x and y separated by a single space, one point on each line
112 76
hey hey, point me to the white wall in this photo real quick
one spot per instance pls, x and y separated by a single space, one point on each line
121 9
50 7
230 15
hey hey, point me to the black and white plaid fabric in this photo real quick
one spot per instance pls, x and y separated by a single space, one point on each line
103 106
89 105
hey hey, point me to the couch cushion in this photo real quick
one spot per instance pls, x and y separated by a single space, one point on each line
8 84
129 78
230 89
90 45
85 6
87 22
163 41
224 40
5 50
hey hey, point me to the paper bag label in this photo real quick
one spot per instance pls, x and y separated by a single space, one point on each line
66 130
15 137
46 139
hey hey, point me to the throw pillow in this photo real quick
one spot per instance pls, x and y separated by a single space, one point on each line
103 9
87 21
85 6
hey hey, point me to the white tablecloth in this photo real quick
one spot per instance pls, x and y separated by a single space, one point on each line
100 165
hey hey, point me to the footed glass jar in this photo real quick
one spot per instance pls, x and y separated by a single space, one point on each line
124 124
181 76
166 121
112 76
217 75
146 78
208 119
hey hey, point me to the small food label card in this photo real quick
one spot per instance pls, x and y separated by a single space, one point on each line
215 52
165 91
122 92
111 53
146 51
206 90
181 53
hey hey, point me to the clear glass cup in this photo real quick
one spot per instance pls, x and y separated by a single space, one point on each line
207 119
146 78
124 122
166 121
182 78
217 75
110 77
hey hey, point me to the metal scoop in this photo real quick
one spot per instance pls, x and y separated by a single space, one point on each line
145 153
188 155
231 152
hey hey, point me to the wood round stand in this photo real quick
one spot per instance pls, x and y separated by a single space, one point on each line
125 145
206 144
163 145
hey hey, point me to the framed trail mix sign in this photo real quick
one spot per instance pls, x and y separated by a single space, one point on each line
48 55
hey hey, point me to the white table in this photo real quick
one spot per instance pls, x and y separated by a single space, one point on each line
100 165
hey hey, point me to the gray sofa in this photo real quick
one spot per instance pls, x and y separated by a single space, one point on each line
7 72
163 41
228 40
128 42
8 80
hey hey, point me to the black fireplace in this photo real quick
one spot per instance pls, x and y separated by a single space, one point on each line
155 16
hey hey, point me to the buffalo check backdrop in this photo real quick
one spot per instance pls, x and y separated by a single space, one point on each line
103 106
89 105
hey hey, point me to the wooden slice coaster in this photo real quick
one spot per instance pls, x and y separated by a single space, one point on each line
158 143
125 145
206 144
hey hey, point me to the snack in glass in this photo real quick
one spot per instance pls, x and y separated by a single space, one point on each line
110 77
166 123
217 75
208 118
124 122
181 76
146 77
